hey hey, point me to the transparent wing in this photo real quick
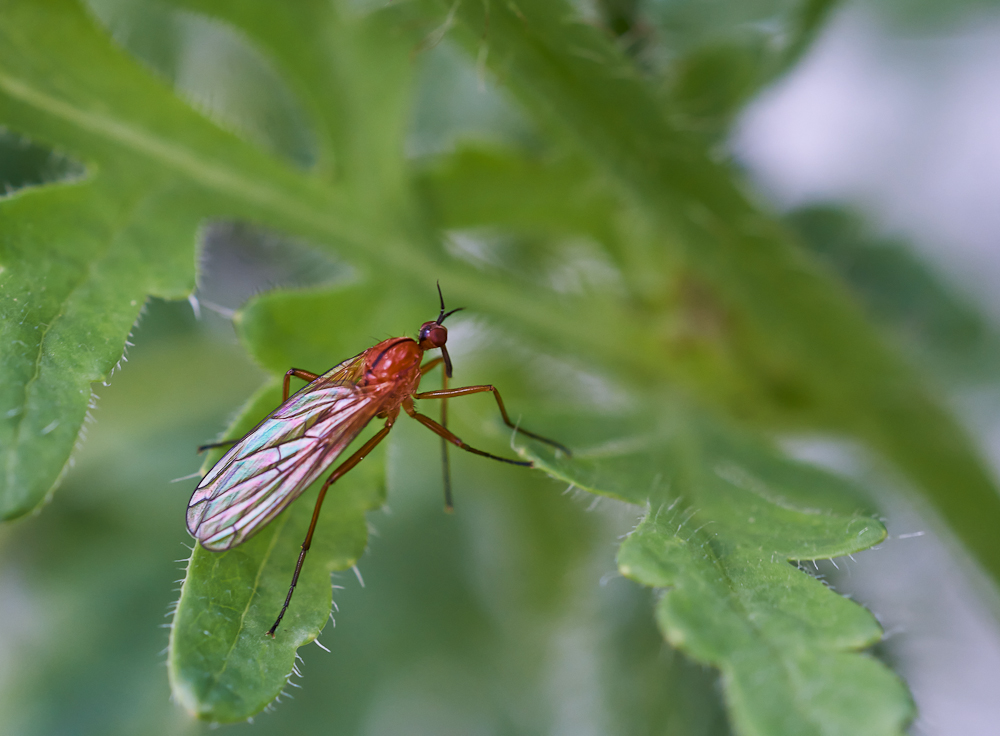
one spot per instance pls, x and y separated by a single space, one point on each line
270 467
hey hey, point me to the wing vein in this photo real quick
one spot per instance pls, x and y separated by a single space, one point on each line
282 456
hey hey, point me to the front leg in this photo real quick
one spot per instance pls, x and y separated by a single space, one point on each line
304 375
449 436
448 393
430 365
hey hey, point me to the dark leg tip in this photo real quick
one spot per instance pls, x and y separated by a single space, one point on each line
561 448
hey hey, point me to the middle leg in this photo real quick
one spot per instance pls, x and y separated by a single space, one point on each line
445 463
467 390
446 434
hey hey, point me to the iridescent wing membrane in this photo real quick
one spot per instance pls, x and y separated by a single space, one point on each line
270 467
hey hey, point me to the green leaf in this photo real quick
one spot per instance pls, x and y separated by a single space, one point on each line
704 295
773 632
236 85
72 287
70 294
478 186
156 169
279 328
926 316
352 70
223 667
768 333
24 164
710 58
726 515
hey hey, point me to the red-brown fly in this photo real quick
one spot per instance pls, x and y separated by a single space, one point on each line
272 465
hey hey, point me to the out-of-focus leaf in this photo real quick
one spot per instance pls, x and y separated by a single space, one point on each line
708 59
352 70
790 346
214 66
478 185
924 15
316 329
929 318
726 515
25 164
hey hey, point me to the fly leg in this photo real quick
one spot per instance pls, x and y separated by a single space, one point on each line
430 365
349 463
213 445
447 435
445 463
467 390
304 375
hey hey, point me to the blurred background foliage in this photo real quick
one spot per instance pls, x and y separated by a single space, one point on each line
508 617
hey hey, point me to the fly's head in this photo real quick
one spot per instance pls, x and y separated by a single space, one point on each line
434 334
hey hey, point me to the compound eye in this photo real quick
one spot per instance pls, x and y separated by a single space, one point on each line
437 335
432 335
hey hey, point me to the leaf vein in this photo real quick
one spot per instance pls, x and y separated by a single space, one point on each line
253 592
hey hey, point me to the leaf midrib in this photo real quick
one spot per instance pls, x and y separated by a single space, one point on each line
769 644
216 677
207 172
757 633
324 210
